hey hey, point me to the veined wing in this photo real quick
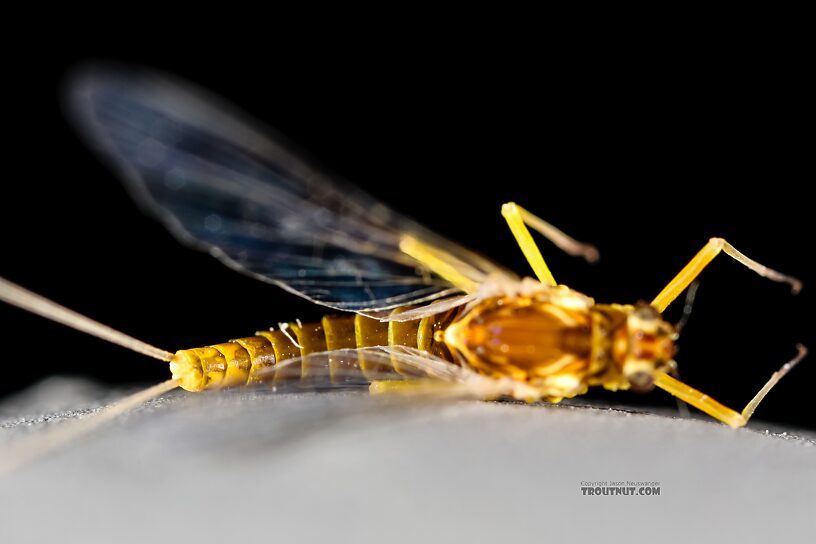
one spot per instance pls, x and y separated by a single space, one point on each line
392 369
224 186
407 372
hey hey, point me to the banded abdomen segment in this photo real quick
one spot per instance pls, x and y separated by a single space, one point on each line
254 359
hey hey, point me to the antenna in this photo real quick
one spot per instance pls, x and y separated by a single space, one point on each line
691 294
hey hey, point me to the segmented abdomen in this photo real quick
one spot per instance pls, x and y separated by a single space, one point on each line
254 359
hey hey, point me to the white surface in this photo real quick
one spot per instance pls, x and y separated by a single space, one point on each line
344 467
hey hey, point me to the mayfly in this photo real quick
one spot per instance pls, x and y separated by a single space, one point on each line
414 313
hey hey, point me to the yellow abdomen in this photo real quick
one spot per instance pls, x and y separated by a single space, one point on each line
254 359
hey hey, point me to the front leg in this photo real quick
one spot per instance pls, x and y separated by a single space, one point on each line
713 408
701 260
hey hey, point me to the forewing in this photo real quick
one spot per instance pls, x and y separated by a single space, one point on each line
224 186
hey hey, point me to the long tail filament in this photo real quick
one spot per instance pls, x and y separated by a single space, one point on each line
34 303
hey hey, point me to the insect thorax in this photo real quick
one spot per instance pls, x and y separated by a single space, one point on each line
544 339
558 342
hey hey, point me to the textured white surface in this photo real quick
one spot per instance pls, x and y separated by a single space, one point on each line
345 467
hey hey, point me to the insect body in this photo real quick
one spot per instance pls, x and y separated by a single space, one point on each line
555 340
253 360
561 343
423 314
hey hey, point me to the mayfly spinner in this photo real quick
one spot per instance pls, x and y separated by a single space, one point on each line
419 314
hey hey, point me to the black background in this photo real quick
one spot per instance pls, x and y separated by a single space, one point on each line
646 153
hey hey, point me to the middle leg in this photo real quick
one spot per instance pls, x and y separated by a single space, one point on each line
518 219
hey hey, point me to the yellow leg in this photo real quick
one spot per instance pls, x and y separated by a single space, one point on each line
715 409
701 260
444 265
518 219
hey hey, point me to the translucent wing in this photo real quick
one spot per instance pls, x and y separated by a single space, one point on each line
224 186
409 374
394 369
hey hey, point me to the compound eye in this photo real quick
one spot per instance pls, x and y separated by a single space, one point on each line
646 312
641 382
